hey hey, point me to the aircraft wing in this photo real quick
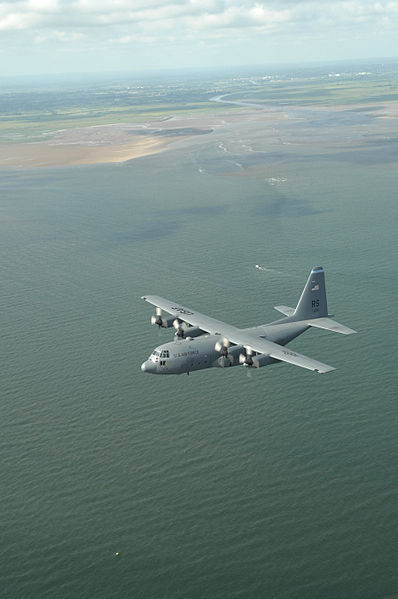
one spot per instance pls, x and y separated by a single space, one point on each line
196 319
279 352
250 338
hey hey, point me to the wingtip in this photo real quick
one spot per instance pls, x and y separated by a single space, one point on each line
349 331
325 370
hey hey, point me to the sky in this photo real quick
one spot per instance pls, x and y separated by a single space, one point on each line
58 36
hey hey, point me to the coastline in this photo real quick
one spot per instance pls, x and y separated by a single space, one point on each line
42 154
118 143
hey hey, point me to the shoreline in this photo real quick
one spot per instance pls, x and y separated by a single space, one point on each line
42 154
118 143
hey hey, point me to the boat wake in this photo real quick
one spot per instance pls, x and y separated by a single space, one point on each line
268 269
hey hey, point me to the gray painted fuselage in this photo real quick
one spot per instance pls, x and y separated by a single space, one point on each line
198 353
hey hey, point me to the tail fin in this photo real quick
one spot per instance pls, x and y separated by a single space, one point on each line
312 303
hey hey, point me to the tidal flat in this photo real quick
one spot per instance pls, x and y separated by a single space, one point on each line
112 120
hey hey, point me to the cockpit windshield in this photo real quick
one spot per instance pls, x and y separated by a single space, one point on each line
156 354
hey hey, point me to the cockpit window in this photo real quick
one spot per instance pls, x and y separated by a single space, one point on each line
165 353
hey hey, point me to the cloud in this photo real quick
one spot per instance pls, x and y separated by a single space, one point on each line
191 24
42 5
59 36
15 21
241 17
200 15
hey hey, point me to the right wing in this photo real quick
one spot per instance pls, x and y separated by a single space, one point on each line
196 319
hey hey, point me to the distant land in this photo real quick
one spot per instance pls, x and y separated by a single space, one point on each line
114 119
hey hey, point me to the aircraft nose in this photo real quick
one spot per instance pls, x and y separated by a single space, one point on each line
148 366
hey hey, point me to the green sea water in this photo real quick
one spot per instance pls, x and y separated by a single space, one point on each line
282 484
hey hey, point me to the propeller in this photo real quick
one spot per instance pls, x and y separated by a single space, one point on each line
158 318
180 327
161 322
222 347
225 359
246 359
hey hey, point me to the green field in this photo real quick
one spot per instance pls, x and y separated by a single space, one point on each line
332 92
28 114
32 126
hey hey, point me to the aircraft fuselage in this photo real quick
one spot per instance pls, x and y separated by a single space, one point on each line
190 354
185 355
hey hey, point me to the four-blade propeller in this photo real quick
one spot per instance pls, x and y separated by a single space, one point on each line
162 322
226 358
246 358
180 327
158 318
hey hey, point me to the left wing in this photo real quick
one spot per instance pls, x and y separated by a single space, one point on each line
237 336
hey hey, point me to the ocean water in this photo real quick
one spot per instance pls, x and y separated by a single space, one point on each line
281 484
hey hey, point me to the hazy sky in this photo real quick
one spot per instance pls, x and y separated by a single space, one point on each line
49 36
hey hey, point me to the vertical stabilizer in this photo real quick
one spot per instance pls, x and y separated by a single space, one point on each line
312 303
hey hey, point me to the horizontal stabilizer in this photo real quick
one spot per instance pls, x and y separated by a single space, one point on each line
330 325
285 310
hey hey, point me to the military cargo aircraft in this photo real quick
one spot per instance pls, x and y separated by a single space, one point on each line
202 342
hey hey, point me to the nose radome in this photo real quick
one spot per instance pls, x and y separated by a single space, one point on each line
148 366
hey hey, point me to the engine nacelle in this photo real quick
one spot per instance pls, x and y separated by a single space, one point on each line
193 332
166 323
229 356
234 352
263 360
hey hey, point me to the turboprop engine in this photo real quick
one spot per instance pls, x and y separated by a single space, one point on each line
162 322
184 330
257 360
229 354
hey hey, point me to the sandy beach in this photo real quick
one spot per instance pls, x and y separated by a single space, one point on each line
66 153
41 154
115 143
